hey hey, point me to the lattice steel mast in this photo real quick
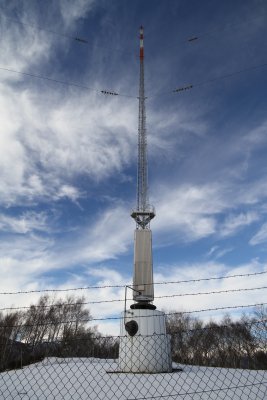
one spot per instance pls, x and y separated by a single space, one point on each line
144 212
143 292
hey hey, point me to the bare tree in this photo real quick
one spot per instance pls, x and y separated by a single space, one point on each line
10 326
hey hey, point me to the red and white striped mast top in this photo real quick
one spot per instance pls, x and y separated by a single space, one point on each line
141 43
144 212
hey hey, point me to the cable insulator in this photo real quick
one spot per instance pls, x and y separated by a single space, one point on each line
183 88
81 40
192 39
109 93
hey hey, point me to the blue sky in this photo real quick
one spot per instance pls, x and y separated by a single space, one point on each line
68 154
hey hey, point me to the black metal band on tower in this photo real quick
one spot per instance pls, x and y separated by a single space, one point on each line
144 212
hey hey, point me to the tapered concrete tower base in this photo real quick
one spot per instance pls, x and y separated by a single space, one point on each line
148 350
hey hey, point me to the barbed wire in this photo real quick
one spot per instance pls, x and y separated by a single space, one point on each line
212 278
218 309
145 284
93 336
123 300
213 326
211 292
189 312
86 320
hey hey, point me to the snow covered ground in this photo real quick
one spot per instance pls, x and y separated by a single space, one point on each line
90 378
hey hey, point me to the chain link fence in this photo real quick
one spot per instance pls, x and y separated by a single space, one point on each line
215 362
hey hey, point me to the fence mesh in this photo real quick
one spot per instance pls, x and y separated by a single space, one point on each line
215 362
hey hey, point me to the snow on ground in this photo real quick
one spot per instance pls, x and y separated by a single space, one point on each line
92 379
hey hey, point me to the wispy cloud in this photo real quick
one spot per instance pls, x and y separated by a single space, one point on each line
71 12
260 237
29 221
188 209
53 143
216 252
234 223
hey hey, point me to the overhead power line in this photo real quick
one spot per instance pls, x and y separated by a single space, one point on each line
76 38
190 39
196 37
229 75
123 286
114 93
105 92
40 28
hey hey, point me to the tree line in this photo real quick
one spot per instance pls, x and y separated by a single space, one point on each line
60 328
229 343
51 328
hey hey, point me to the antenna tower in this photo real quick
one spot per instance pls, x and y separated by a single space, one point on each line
143 212
144 344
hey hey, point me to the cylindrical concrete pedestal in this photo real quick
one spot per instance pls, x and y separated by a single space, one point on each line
148 351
